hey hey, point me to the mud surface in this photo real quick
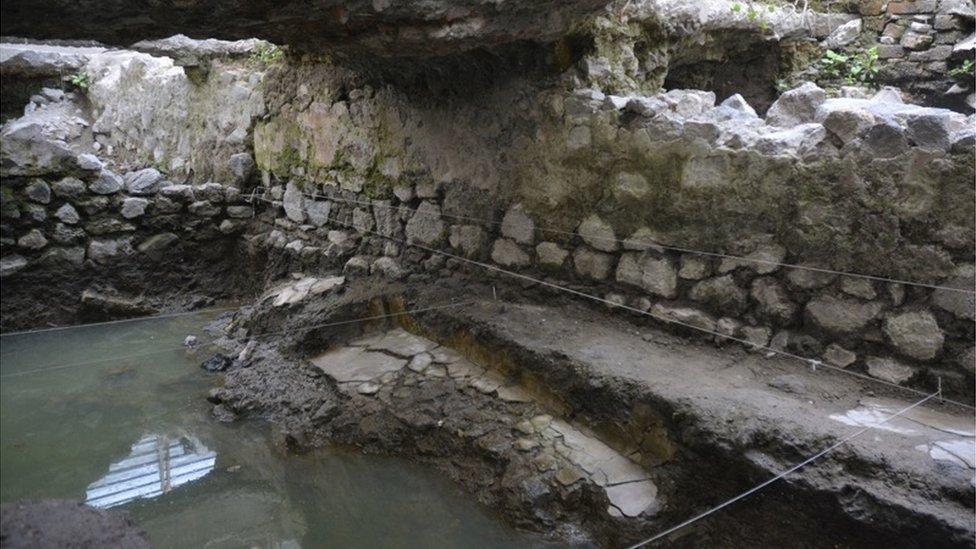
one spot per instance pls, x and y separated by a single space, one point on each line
701 424
67 524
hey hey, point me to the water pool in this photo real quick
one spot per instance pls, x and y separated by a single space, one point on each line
134 432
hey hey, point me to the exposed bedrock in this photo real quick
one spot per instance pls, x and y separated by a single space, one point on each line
384 27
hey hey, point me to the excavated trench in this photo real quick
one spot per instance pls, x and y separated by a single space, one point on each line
491 393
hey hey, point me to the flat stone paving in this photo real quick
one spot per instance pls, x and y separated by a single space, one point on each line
364 365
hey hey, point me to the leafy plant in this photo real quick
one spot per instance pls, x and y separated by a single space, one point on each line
963 71
267 54
859 68
760 10
79 80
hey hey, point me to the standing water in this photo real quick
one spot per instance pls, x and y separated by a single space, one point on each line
79 420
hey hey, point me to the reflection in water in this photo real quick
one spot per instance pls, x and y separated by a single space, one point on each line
155 465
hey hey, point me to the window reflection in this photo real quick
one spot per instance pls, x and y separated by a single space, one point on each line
156 464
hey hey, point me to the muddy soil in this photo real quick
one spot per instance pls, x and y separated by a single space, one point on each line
184 278
66 523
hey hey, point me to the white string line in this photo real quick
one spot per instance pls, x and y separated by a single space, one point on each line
255 336
118 321
815 364
789 471
650 243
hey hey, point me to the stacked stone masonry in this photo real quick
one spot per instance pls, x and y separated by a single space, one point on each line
598 191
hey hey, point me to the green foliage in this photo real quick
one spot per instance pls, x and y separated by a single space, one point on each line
757 11
79 80
858 68
963 71
267 54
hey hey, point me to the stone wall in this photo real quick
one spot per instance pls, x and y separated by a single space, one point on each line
78 238
603 192
609 190
919 42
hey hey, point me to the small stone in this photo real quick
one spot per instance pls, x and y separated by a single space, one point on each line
388 267
839 356
758 336
720 293
641 240
178 193
67 214
773 299
728 326
598 234
550 255
842 315
518 226
889 370
317 211
630 186
508 254
143 182
568 475
915 334
808 277
420 362
426 226
217 363
858 287
39 191
190 341
525 427
63 257
156 244
843 35
659 277
694 268
11 264
526 444
579 138
33 240
738 103
796 106
544 462
403 192
357 265
686 316
64 234
468 238
884 141
69 187
591 263
240 212
368 388
241 166
203 208
107 183
133 207
293 202
541 421
90 163
765 259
